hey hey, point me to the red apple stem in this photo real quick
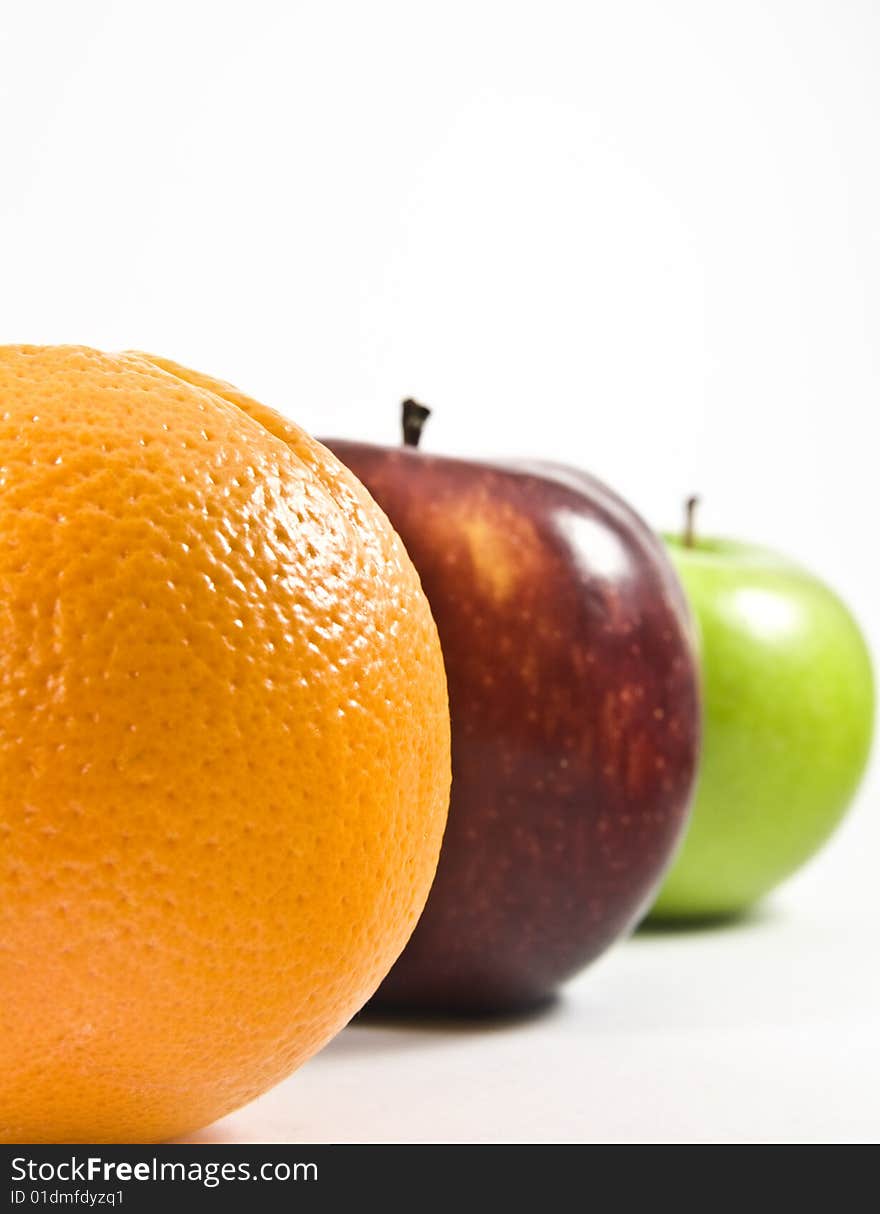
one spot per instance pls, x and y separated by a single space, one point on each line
414 418
688 535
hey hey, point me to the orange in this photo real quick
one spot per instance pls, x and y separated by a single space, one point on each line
224 747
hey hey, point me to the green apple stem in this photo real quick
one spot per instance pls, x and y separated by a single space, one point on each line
414 418
688 535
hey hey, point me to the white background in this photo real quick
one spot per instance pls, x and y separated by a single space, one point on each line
641 237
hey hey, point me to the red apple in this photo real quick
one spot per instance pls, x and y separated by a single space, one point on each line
573 693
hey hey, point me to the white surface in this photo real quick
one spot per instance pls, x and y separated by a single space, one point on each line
765 1031
640 237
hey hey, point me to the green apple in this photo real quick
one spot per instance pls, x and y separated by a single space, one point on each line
788 706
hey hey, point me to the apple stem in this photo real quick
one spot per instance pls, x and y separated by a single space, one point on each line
414 418
688 536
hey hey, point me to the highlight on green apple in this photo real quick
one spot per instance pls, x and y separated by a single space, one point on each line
788 711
